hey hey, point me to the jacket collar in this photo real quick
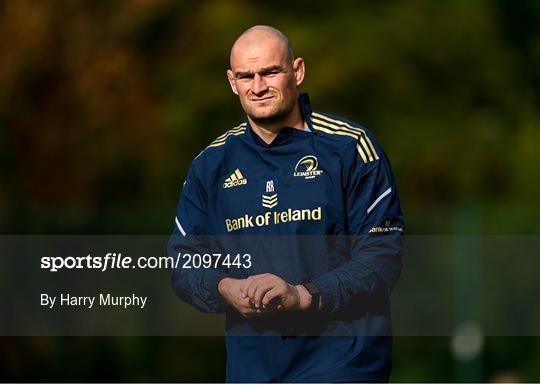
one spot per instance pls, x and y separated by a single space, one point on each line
288 134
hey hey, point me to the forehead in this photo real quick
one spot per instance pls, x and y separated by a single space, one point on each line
251 54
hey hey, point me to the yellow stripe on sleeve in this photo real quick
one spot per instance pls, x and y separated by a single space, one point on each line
343 133
356 129
359 135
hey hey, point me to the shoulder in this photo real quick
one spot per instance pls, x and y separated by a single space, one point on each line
217 147
347 133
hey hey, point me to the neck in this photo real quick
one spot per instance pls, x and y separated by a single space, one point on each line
268 131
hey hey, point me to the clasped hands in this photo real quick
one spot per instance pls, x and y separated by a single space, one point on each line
263 294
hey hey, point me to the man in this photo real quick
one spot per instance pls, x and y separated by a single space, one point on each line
317 311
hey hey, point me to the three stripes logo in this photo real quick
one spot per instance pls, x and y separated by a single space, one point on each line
236 179
270 201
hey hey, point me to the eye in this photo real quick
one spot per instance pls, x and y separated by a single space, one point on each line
244 77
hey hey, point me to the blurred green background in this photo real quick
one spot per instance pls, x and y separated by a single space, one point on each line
103 105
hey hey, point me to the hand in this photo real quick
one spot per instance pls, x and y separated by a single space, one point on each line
263 290
229 288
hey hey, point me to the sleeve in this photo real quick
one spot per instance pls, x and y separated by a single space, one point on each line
375 224
198 287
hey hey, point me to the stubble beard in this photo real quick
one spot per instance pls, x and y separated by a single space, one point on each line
279 114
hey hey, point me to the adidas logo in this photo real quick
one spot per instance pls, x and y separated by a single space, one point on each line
236 179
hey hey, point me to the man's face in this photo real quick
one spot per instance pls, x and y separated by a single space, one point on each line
265 79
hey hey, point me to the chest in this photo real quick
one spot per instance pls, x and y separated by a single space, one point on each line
268 191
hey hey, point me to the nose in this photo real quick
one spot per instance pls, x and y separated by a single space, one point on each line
258 85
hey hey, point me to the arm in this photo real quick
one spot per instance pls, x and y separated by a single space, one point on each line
210 290
198 287
375 223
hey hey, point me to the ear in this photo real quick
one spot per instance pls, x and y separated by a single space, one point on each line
230 77
299 70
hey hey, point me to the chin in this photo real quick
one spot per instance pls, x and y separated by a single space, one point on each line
265 115
271 113
261 119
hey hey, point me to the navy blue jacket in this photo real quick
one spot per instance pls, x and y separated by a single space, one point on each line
302 193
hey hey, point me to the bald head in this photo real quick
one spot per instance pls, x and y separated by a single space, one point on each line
261 36
266 77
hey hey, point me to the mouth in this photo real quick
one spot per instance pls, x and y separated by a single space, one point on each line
263 99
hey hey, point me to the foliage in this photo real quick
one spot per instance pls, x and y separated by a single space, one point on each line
104 104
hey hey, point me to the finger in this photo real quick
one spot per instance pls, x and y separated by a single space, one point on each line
241 303
250 291
243 306
246 287
250 312
270 295
255 285
260 292
252 298
252 304
256 313
247 282
242 288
